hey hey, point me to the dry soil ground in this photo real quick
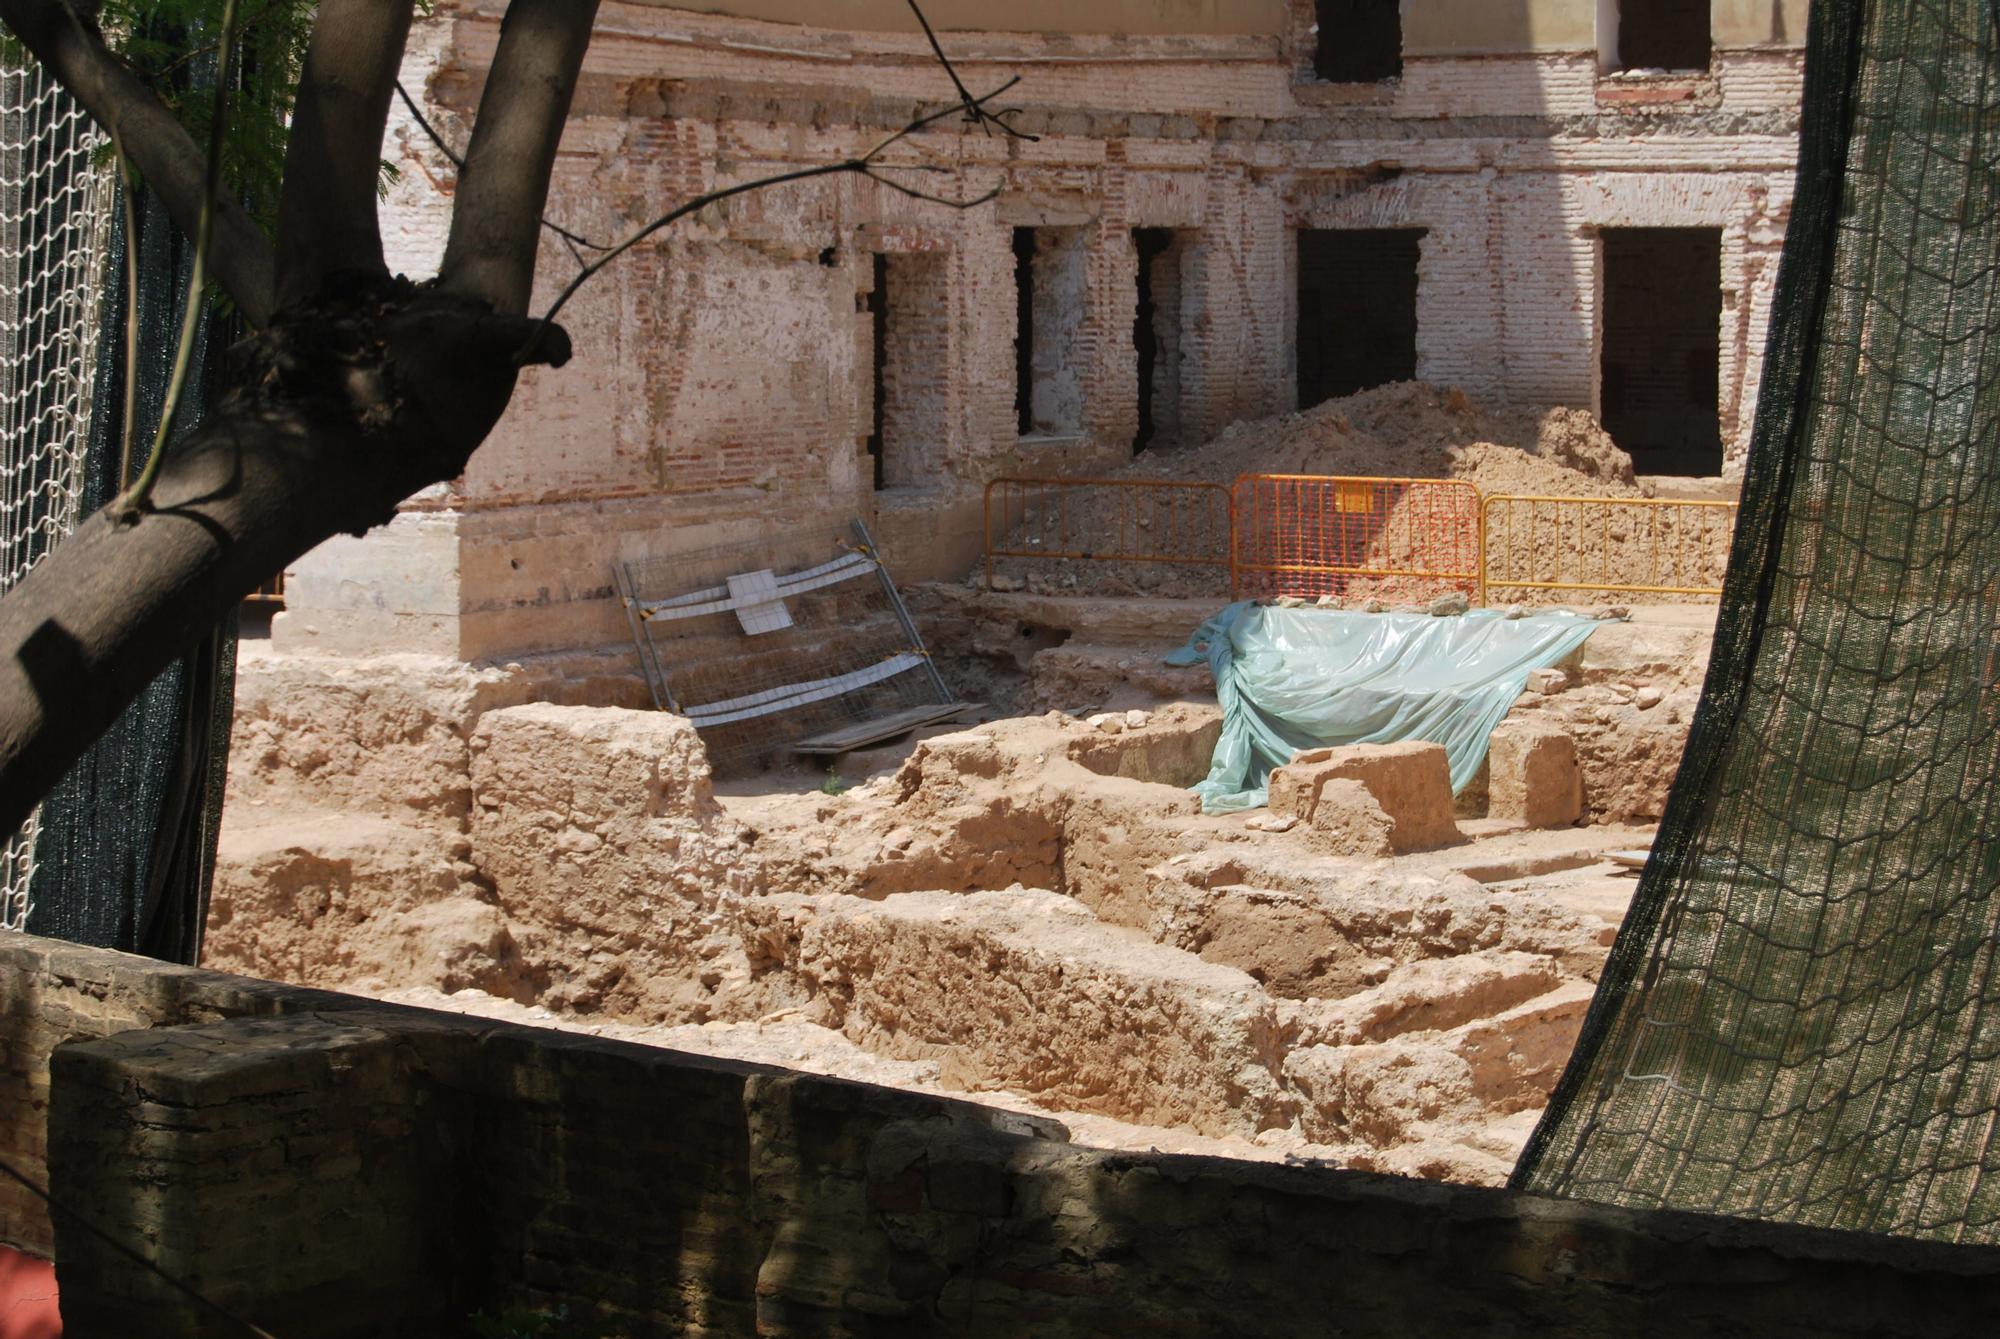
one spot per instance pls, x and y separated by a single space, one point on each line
1027 909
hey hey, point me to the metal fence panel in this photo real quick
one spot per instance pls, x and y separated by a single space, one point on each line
1610 546
1318 535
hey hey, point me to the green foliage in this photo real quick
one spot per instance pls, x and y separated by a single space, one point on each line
834 784
522 1323
172 45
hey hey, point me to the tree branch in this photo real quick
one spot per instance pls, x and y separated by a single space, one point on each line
347 411
135 498
326 218
497 217
867 165
75 54
976 110
457 160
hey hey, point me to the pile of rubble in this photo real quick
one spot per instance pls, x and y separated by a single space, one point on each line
1405 430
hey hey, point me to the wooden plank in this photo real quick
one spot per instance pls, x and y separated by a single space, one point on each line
863 733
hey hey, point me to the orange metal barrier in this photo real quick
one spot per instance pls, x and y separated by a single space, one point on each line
272 592
1394 539
1169 521
1633 546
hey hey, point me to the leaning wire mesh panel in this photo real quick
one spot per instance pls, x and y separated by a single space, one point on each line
834 651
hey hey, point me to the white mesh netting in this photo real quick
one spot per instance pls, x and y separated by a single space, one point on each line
54 209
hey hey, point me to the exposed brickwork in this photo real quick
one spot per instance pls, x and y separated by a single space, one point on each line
51 993
723 382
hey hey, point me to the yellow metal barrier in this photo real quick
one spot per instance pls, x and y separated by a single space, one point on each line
1621 546
272 592
1171 521
1311 535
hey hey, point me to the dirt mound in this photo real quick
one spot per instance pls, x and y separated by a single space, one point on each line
1415 430
1406 430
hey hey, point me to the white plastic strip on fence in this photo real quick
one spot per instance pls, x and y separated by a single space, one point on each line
774 700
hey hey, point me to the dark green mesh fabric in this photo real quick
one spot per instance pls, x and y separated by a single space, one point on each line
1801 1017
127 844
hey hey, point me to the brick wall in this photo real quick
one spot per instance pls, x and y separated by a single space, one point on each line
722 385
333 1168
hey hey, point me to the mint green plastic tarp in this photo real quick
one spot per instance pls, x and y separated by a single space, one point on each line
1291 679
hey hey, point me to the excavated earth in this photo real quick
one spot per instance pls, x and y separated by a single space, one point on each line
1030 909
1405 430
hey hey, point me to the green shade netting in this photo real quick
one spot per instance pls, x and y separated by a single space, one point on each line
1800 1019
1291 679
128 837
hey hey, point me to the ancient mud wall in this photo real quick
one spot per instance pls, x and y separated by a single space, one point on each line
725 381
343 1169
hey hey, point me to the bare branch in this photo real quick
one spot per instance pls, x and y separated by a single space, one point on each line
326 217
338 419
976 110
452 156
133 500
75 54
928 198
504 186
128 191
867 165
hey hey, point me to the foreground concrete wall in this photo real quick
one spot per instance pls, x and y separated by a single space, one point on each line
723 390
51 993
339 1168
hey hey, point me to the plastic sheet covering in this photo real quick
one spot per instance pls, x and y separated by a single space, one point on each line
1291 679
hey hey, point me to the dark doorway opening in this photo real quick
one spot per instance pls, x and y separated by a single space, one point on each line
878 316
1158 335
909 317
1360 41
1663 35
1357 310
1024 329
1663 347
1051 285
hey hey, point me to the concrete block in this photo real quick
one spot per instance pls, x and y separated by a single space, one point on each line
1535 777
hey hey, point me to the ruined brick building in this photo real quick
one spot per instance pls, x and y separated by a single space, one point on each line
1230 209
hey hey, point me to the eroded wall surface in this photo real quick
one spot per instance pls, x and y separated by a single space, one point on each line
724 387
329 1168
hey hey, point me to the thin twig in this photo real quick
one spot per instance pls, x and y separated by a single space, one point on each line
866 165
928 198
975 108
135 499
574 240
130 1253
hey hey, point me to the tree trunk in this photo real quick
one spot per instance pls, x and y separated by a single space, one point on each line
345 412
